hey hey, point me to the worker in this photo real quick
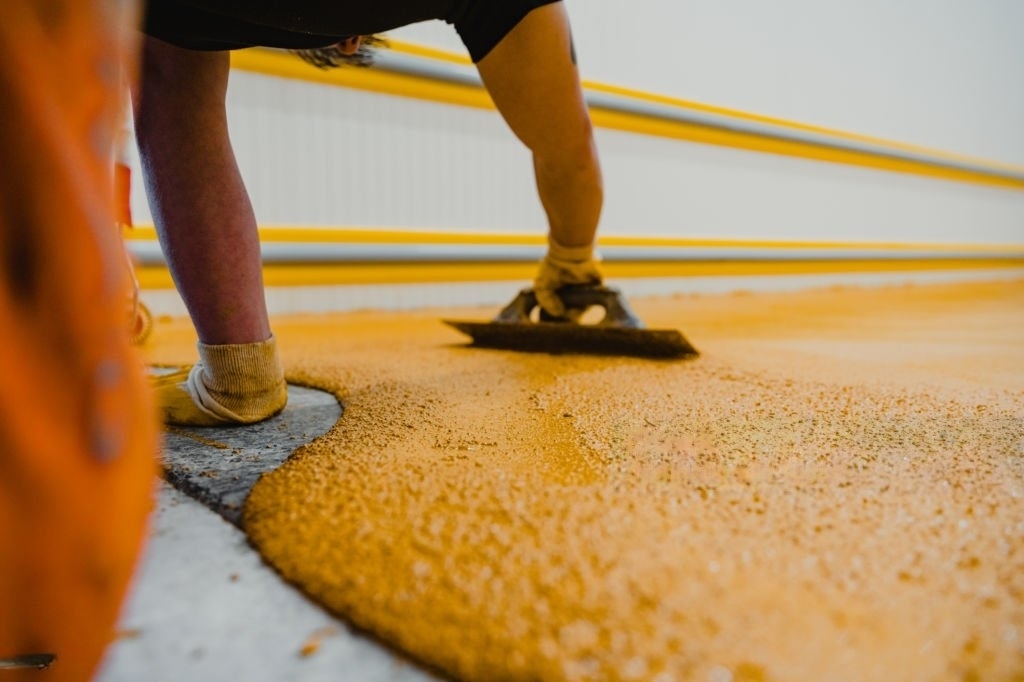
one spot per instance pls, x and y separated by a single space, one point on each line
524 53
78 427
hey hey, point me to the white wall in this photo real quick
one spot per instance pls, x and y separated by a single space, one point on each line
315 155
936 72
947 74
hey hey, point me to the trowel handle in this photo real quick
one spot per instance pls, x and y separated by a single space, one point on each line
617 311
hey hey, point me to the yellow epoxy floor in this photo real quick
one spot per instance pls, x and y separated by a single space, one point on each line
833 490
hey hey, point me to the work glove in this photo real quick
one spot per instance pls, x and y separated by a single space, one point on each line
563 265
231 384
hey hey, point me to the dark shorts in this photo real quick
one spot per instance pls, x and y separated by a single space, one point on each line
298 24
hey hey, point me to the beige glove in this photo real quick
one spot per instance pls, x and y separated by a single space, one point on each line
561 266
231 384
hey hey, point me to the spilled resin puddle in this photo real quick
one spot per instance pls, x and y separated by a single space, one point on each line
834 490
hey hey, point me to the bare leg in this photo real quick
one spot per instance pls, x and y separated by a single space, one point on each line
208 233
532 78
202 212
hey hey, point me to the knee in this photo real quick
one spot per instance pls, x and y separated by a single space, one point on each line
571 145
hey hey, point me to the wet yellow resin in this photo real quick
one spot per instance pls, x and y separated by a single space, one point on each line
834 490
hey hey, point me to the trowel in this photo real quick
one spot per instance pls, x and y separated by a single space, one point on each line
619 332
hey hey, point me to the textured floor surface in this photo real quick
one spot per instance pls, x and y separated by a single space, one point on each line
205 608
833 490
219 465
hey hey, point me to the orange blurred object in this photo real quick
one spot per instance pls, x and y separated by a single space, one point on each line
122 194
78 431
140 319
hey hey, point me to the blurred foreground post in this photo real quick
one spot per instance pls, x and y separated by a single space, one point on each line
78 433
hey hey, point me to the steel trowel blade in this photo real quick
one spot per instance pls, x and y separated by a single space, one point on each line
591 339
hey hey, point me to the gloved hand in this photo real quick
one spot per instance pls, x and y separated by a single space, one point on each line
231 384
561 266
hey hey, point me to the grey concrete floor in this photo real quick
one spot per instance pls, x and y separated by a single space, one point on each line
204 606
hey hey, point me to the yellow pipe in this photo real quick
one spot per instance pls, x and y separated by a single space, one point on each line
291 275
444 55
299 234
279 64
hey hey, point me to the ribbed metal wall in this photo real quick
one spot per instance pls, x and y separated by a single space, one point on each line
319 155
